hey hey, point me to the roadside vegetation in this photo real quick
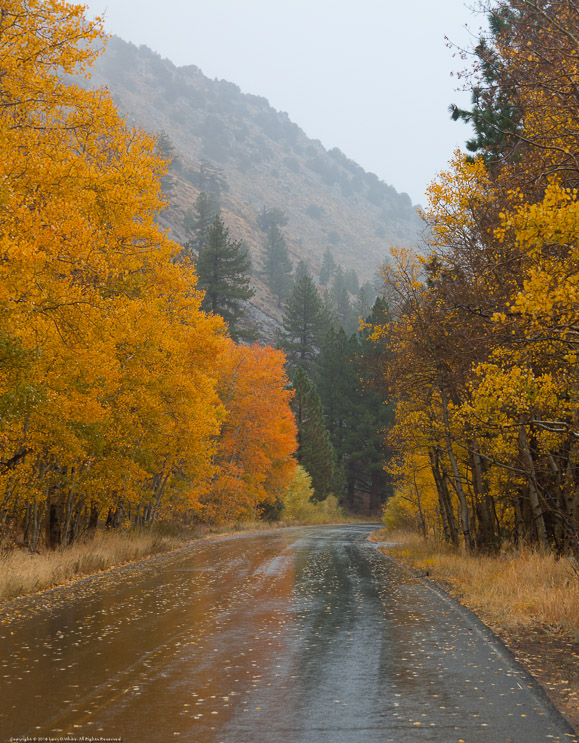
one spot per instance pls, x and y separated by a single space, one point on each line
300 506
481 339
23 572
480 346
123 395
516 588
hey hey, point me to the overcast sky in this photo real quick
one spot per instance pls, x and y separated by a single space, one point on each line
371 77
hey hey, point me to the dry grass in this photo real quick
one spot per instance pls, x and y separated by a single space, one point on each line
23 573
522 588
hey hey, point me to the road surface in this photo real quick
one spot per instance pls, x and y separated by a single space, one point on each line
302 635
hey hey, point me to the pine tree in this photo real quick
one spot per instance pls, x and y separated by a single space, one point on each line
222 267
355 415
329 310
210 179
315 451
278 265
269 217
199 220
352 281
342 301
496 114
366 471
304 321
166 150
364 300
328 267
338 386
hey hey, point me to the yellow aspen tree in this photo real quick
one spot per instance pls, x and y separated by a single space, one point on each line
106 385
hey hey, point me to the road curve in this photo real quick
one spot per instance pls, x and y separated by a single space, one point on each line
302 635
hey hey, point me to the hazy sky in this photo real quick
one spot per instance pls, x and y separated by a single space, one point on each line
372 77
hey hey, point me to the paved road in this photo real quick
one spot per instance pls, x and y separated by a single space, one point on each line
303 635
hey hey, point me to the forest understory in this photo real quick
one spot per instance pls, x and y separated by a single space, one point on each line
528 598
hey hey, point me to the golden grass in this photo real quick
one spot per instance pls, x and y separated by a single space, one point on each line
23 573
522 588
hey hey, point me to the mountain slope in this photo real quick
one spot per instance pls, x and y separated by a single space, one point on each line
251 156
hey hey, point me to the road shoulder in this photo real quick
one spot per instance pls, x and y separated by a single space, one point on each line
550 655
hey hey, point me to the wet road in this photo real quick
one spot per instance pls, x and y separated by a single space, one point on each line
305 635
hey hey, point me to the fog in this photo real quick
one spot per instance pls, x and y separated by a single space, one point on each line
372 78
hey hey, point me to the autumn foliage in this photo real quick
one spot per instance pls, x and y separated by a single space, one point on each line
482 348
119 396
253 456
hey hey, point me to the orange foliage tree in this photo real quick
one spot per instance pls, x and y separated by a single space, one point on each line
254 457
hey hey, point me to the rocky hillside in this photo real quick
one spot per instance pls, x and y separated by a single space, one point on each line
251 156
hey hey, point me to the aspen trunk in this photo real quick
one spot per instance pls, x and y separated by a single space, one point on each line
36 525
159 494
529 467
444 500
489 536
93 519
519 523
420 511
465 514
26 525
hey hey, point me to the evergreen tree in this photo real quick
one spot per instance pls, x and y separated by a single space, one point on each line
364 300
365 472
355 415
278 265
199 220
210 179
340 391
328 267
366 464
166 150
352 281
315 451
342 301
374 355
329 309
302 270
496 113
304 321
338 385
222 267
269 217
